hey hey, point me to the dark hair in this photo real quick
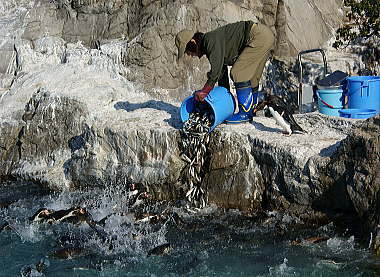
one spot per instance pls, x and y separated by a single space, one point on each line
191 46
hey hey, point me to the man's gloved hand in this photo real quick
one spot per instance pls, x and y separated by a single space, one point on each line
200 95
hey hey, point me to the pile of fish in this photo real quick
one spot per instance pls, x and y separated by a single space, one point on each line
195 137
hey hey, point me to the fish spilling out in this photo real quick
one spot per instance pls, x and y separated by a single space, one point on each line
195 136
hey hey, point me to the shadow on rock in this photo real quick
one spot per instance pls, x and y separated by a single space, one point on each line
329 151
174 121
262 127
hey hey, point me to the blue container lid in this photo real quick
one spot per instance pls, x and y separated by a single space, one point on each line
363 78
357 113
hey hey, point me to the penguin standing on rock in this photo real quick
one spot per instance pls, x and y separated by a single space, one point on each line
281 113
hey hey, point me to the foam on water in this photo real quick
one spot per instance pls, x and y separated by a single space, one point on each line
282 270
339 244
126 237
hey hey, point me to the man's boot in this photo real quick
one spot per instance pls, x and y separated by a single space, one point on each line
247 99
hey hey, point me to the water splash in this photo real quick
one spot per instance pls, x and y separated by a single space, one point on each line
207 243
282 270
120 235
339 244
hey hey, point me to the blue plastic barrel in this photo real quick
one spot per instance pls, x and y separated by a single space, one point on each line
221 101
363 92
357 113
330 101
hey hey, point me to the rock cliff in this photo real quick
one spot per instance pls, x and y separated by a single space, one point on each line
147 30
354 173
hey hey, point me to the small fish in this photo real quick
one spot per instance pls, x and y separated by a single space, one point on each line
185 158
195 137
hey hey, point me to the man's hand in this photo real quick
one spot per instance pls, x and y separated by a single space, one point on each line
200 95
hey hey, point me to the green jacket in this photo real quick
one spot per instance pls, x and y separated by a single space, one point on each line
222 47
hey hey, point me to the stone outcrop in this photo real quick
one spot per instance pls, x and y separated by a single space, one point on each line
62 141
148 29
354 172
51 121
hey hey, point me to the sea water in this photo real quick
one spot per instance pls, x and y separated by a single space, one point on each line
213 242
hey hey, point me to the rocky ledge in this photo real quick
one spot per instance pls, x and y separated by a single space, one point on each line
66 141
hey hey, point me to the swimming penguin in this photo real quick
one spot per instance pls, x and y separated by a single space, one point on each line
102 222
5 204
177 219
139 199
73 215
69 253
35 269
281 113
160 250
149 218
41 215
